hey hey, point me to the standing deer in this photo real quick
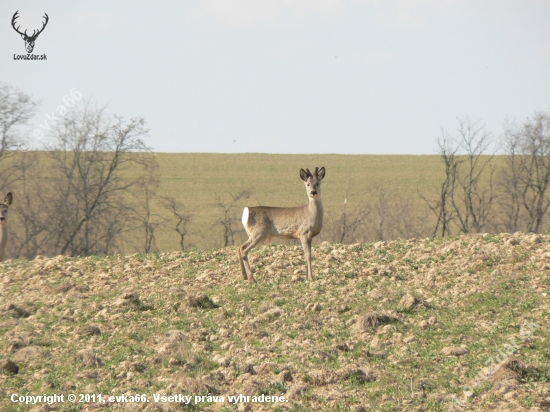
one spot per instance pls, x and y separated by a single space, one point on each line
3 229
304 223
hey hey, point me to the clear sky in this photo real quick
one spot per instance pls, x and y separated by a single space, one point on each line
288 76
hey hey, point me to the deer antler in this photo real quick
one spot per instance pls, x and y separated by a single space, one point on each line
34 33
15 16
43 26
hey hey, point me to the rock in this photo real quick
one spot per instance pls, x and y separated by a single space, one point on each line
247 368
127 298
16 311
138 367
453 351
88 358
343 347
361 375
373 319
222 360
285 376
202 301
408 301
321 377
30 352
295 392
88 331
9 366
314 307
409 339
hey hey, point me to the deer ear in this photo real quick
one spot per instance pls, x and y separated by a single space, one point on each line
8 199
321 173
23 36
304 175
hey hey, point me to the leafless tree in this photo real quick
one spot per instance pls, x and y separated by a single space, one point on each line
442 205
228 220
527 171
472 204
16 109
182 218
466 194
147 220
351 222
92 154
393 215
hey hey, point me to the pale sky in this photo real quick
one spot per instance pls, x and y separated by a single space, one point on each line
288 76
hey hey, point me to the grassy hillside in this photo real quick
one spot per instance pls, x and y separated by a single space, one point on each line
390 326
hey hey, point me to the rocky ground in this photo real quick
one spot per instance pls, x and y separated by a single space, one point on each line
412 325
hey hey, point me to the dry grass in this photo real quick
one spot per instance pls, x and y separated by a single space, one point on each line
406 336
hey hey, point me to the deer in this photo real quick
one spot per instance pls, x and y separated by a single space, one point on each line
266 222
3 220
29 40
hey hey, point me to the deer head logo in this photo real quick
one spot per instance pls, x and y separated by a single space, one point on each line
29 40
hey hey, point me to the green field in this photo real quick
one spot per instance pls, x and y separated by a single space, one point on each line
384 190
198 179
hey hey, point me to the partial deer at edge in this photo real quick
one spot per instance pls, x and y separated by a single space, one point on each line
3 221
304 223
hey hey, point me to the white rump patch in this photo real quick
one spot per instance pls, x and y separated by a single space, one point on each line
245 217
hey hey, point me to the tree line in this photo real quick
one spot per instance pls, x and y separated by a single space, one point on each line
99 183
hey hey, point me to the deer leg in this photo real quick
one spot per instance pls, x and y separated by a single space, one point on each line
306 244
244 250
239 253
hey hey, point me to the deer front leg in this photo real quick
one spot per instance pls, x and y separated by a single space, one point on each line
306 244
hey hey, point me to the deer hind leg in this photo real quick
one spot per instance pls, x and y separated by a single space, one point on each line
241 255
252 242
306 244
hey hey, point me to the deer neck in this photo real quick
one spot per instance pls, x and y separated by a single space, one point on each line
3 239
316 206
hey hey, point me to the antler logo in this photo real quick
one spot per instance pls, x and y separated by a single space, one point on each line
29 40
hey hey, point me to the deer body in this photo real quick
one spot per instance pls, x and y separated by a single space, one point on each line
304 223
3 227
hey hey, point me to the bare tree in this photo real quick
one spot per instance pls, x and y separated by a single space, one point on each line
90 153
442 206
473 203
182 218
228 218
528 168
16 109
351 222
143 214
466 195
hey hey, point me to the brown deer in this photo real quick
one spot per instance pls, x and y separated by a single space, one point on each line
304 223
3 220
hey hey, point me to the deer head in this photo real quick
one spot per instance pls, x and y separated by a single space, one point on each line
313 181
29 40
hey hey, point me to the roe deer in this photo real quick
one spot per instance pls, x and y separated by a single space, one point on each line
304 223
3 220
